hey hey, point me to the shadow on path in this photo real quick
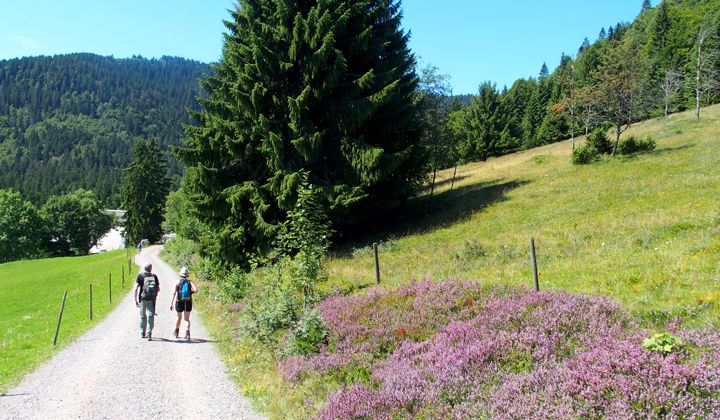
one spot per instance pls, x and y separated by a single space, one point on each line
183 341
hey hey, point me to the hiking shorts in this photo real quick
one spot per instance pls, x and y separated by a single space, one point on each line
183 305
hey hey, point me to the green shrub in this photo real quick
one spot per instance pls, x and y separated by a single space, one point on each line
273 307
599 140
233 284
309 332
538 159
584 155
633 145
662 343
288 287
472 250
181 252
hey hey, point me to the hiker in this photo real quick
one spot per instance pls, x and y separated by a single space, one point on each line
146 291
139 247
182 299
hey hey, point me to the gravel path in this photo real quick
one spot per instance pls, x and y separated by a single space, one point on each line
110 372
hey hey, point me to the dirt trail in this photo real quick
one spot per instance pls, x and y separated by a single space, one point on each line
110 372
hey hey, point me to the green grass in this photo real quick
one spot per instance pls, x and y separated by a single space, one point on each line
32 294
643 230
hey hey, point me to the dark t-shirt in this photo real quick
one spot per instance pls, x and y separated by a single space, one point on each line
140 280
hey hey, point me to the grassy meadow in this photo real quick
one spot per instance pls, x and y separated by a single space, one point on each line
642 231
33 292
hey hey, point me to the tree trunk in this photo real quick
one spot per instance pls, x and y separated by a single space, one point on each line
697 94
452 184
572 128
618 131
432 186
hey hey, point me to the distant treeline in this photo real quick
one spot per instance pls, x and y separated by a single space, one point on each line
663 62
69 121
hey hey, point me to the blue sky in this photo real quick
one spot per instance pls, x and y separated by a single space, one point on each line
470 40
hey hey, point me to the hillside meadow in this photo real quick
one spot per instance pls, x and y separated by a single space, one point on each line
626 247
33 292
642 229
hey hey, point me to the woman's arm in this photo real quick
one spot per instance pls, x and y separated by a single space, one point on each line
172 302
193 287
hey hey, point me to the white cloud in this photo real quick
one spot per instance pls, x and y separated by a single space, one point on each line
26 42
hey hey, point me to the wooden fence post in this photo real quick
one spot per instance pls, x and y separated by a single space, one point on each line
91 302
123 277
110 286
377 263
62 308
534 264
452 184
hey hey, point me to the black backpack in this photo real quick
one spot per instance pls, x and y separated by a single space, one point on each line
150 287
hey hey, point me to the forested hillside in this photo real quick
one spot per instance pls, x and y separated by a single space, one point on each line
665 61
69 121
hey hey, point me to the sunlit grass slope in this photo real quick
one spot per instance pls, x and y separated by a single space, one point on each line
32 293
643 230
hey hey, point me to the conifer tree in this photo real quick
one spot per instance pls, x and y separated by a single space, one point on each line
143 190
585 44
484 125
544 72
321 86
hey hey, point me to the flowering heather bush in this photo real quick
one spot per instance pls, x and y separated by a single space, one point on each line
364 328
618 379
456 350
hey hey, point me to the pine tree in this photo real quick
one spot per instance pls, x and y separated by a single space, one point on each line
326 87
645 5
544 72
585 44
484 124
143 190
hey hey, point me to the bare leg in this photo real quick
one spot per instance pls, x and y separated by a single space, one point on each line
179 319
187 319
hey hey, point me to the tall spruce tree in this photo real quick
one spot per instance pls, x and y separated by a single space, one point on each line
483 119
143 190
321 86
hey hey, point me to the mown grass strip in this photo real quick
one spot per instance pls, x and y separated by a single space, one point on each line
32 293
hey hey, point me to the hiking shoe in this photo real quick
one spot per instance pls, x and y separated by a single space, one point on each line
142 334
176 333
187 335
149 336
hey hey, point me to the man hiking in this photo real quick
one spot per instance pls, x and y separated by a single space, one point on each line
146 291
182 298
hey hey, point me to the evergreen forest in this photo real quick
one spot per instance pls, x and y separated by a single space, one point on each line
70 121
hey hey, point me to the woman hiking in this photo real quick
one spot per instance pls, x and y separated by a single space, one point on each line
182 300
